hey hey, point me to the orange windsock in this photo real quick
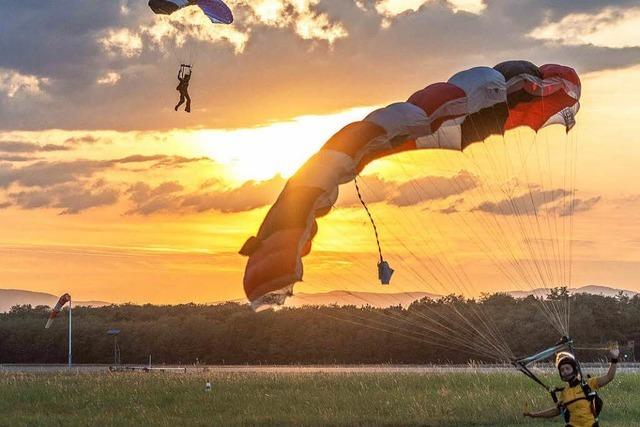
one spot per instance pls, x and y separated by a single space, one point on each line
56 310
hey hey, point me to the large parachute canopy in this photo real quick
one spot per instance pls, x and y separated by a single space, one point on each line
57 309
470 107
216 10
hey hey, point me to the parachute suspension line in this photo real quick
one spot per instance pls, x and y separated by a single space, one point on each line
547 199
459 275
373 223
496 231
503 208
517 213
466 337
402 260
565 252
420 278
494 345
565 262
529 228
446 345
449 341
572 206
461 342
502 242
562 253
540 256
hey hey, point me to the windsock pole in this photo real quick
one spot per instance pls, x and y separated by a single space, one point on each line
69 354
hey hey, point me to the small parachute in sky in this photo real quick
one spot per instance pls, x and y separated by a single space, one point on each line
56 310
216 10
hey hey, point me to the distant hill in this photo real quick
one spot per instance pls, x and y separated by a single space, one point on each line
381 300
589 289
11 297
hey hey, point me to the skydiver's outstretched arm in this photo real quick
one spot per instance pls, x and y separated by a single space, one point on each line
547 413
608 377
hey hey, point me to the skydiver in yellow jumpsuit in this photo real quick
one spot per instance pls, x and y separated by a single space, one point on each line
578 402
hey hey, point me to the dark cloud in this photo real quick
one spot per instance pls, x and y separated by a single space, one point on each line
82 140
28 147
578 205
452 208
59 41
209 183
16 158
71 198
250 195
531 13
137 158
178 161
148 200
375 189
433 188
46 173
449 210
525 204
169 197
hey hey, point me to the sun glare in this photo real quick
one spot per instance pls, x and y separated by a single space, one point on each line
279 148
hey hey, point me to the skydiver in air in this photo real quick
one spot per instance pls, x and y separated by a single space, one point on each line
578 402
184 75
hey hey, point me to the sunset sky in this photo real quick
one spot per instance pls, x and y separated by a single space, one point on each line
108 194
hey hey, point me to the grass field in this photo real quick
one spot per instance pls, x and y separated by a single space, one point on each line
149 399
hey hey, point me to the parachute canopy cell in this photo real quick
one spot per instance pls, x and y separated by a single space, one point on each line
216 10
473 105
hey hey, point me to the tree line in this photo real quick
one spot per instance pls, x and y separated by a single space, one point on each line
232 333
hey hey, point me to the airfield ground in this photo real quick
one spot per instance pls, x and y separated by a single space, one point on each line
294 398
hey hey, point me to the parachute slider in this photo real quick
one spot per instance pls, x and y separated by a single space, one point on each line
522 364
384 272
565 343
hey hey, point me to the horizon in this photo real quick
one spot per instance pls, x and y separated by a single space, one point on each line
300 299
110 195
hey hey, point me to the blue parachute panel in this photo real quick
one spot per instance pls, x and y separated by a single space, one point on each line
216 11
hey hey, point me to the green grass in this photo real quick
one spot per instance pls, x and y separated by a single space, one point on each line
172 399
